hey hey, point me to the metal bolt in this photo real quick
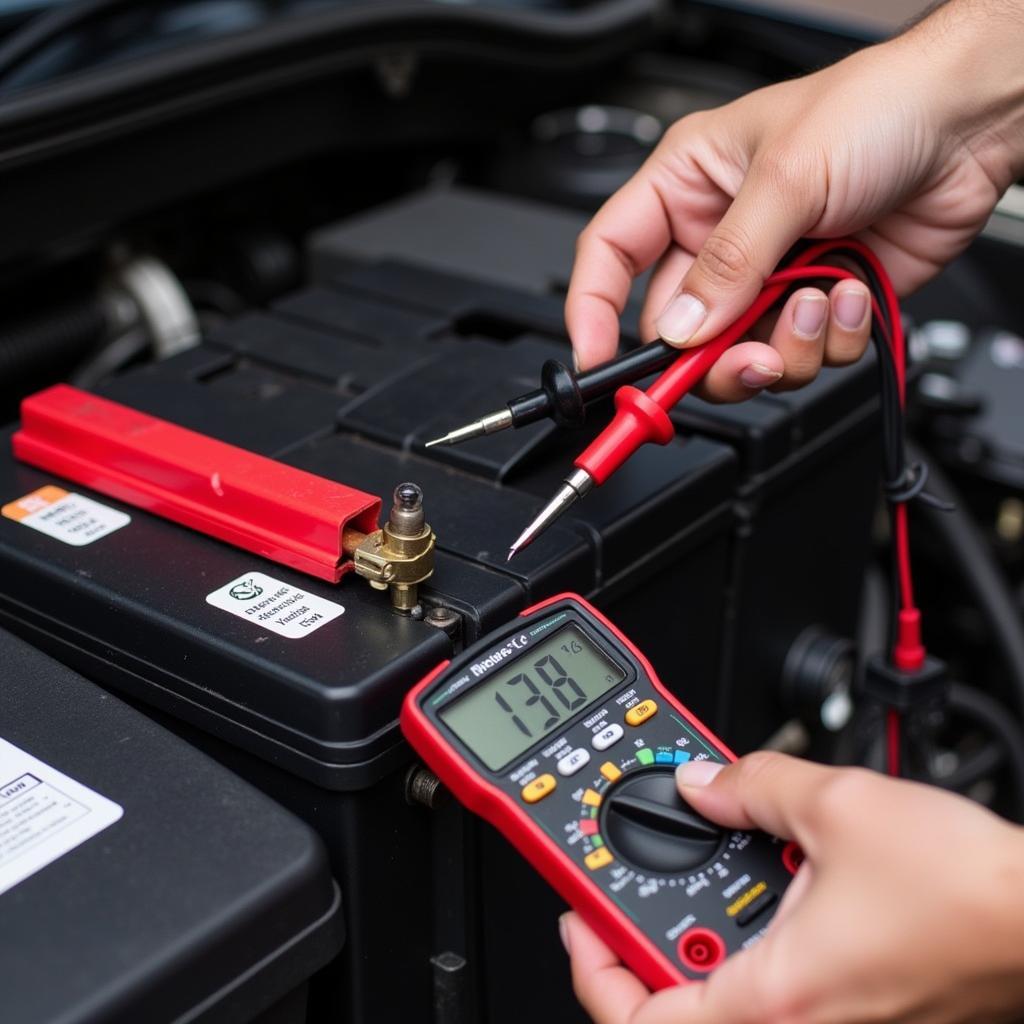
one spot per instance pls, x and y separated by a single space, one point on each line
409 497
406 518
424 787
446 619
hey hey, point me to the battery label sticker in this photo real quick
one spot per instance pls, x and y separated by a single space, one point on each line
69 517
43 815
288 611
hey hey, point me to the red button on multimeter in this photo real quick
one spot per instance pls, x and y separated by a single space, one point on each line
557 731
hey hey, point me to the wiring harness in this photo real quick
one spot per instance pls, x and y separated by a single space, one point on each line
906 668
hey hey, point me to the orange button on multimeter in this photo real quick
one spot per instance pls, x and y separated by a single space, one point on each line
599 858
507 727
642 712
539 788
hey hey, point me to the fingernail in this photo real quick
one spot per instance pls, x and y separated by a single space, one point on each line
575 361
681 318
850 308
757 375
809 315
563 931
697 773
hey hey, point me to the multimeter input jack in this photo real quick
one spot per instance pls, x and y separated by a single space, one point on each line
792 857
701 949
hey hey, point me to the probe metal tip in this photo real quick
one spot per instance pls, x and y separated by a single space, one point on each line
489 424
577 485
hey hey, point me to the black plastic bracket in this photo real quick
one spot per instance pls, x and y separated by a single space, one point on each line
905 691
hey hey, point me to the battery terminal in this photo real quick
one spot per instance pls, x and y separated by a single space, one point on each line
400 555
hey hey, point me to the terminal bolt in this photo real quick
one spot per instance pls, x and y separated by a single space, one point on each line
399 556
422 786
445 619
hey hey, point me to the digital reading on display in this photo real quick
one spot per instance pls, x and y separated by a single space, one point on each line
541 690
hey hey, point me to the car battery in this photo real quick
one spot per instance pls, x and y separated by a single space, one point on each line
140 880
313 721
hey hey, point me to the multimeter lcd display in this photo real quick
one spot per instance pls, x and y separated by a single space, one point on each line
540 691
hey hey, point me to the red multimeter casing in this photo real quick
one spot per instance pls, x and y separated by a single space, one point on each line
557 731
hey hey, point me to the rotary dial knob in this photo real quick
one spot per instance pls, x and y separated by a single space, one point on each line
649 825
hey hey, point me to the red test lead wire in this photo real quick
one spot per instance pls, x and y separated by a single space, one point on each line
908 653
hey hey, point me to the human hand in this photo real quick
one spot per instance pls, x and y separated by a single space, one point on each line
906 144
909 907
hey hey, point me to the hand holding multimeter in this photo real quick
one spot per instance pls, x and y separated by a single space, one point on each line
557 731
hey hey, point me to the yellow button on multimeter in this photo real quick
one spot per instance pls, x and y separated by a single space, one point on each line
641 712
539 788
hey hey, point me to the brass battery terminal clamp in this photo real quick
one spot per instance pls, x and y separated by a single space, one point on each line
399 556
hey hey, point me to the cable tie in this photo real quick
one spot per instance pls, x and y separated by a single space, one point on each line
910 486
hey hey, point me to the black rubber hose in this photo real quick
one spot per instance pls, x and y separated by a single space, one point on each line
41 31
48 343
985 711
970 552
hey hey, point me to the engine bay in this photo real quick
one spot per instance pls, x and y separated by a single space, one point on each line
327 233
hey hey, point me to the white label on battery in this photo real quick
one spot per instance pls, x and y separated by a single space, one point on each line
43 814
283 609
66 516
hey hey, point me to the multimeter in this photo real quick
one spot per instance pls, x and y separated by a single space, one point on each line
557 731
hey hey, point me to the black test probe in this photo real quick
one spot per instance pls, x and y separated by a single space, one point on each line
564 395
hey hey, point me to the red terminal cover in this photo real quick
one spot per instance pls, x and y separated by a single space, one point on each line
564 876
276 511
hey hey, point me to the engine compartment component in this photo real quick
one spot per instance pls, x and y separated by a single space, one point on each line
221 902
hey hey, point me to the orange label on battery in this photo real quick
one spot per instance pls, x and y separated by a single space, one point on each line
65 516
34 502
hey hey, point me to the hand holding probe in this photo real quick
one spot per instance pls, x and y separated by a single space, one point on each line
643 416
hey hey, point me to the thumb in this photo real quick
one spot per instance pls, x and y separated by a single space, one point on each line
773 208
782 795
